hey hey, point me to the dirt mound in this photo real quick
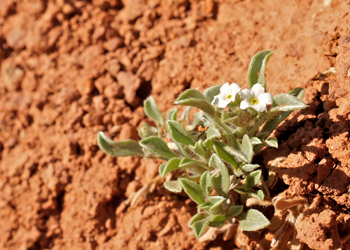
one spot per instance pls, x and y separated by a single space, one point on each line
69 69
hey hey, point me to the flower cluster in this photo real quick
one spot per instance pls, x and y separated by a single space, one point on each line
255 98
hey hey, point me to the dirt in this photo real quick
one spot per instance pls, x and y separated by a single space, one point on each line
72 68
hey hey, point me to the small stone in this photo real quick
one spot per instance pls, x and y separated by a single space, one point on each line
113 67
16 39
118 118
128 132
113 44
85 85
114 90
90 120
12 76
131 84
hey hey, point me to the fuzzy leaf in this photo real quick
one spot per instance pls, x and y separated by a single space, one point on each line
223 151
272 142
212 133
173 186
256 71
146 131
286 102
258 194
205 183
216 202
249 167
240 190
118 148
196 217
216 182
252 180
247 148
253 220
171 165
216 162
255 141
205 206
211 92
193 190
152 111
235 210
217 220
273 123
200 225
156 145
179 133
193 166
171 116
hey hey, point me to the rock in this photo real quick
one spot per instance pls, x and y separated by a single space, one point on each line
113 44
128 132
16 39
118 119
114 90
85 85
90 120
12 76
113 67
131 84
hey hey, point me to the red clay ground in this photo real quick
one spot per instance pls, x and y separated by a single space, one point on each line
72 68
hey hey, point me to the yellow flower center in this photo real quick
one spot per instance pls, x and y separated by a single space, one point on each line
229 97
254 101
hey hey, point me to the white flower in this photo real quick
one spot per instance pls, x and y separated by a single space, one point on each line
255 98
227 94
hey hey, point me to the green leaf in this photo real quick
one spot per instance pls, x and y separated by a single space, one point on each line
200 225
179 133
216 202
152 111
253 220
211 92
200 150
286 102
247 148
217 220
240 190
223 151
193 190
196 217
171 165
255 141
146 131
256 71
235 210
258 194
252 180
216 162
273 123
173 186
118 148
250 167
272 142
216 182
205 206
193 166
212 133
205 183
157 146
171 116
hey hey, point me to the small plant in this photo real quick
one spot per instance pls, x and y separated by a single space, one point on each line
214 150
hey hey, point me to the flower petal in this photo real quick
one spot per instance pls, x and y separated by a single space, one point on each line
235 88
225 88
245 104
258 90
215 100
260 107
246 94
223 103
265 98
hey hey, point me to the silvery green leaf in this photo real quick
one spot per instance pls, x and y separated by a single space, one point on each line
205 183
217 220
205 206
200 225
216 202
256 71
240 190
171 165
147 131
286 102
255 141
216 182
197 217
193 190
212 133
179 133
200 150
253 220
171 116
118 148
223 151
249 167
188 162
211 92
272 142
258 195
152 111
252 180
173 186
216 162
157 146
235 210
247 148
273 123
